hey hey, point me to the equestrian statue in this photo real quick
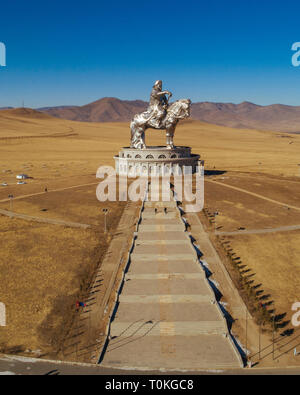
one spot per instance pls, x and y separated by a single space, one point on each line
160 115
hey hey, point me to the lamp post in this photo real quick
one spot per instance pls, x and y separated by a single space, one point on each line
273 335
11 201
246 334
216 213
259 341
105 212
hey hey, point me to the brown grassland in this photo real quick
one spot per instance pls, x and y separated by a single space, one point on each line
273 261
269 261
40 264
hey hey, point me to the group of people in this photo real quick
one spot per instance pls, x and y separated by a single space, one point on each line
165 210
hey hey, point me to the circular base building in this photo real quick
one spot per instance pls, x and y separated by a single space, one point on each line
159 161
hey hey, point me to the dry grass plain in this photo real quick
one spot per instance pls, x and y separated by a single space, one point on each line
39 264
273 262
46 268
262 162
43 266
268 263
72 205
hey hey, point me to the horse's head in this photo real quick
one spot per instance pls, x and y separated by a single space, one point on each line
181 109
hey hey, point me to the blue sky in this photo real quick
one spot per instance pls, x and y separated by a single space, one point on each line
74 52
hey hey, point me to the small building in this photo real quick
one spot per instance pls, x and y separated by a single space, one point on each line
22 177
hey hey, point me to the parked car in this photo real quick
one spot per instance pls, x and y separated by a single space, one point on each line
21 182
4 184
22 176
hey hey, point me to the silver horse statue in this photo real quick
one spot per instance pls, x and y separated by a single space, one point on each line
160 115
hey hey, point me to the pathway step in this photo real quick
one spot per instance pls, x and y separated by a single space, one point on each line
171 204
161 228
160 221
159 257
147 257
164 249
164 266
172 286
166 276
169 312
169 235
166 299
202 352
162 242
150 328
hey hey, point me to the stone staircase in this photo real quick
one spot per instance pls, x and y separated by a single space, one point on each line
167 316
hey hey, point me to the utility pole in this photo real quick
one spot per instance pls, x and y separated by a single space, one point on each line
273 336
259 340
259 337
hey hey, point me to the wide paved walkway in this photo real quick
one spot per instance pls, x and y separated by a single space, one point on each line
167 316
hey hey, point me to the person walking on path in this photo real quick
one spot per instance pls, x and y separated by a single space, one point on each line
79 304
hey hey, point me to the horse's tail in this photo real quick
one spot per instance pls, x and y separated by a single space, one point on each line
132 126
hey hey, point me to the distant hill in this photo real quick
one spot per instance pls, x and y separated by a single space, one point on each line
25 113
276 117
26 122
108 109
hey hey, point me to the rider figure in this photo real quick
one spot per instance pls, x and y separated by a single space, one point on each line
158 103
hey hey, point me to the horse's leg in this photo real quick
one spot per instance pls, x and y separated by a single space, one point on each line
140 138
143 143
170 135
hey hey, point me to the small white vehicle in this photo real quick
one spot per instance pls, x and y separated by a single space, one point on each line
21 182
22 177
4 184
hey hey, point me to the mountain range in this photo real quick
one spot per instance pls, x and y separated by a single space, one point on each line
108 109
277 117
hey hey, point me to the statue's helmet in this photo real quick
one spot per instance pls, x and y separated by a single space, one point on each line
158 83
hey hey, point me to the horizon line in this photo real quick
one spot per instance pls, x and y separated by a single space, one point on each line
141 100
